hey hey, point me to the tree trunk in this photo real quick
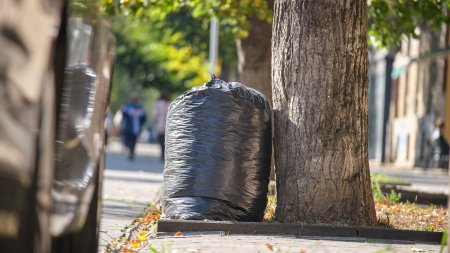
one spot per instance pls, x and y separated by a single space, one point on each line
320 91
254 59
225 71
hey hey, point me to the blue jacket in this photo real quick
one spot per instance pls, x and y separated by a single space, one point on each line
133 117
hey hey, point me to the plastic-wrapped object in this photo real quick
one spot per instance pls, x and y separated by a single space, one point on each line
218 151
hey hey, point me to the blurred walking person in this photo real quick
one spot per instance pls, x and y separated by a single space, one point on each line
159 116
133 118
440 146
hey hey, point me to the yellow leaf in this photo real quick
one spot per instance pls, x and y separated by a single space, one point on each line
143 232
135 243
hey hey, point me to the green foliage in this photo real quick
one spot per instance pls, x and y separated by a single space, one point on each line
394 197
83 8
123 86
224 233
377 193
159 44
152 249
443 241
166 247
386 179
391 20
230 13
387 249
164 43
156 55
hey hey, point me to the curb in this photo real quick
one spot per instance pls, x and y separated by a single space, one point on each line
299 230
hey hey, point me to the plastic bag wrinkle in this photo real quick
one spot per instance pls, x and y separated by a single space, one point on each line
218 150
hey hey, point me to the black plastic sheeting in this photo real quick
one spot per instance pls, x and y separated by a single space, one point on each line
218 151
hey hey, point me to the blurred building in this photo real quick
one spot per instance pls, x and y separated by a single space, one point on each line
379 101
407 91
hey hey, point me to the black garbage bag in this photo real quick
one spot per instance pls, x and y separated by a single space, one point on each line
218 151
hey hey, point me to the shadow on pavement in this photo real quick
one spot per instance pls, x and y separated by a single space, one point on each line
119 212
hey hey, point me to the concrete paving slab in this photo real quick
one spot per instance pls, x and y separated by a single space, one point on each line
220 242
168 225
128 187
115 216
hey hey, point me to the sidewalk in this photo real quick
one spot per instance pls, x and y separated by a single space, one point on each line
421 181
129 186
222 242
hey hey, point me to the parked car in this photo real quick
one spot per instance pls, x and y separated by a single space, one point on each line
56 60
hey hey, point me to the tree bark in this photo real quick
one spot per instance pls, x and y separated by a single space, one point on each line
254 56
254 60
320 96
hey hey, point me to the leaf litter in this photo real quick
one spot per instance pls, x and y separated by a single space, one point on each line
393 215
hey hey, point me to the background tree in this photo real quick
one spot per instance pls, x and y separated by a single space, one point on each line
250 23
164 44
236 18
320 89
156 53
254 54
392 21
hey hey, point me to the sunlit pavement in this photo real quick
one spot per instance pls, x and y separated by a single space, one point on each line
226 243
128 187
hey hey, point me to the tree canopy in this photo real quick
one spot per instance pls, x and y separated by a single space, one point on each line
152 56
389 20
165 43
230 13
392 20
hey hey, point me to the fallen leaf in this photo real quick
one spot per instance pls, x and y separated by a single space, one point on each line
126 250
269 246
143 232
142 238
178 233
135 243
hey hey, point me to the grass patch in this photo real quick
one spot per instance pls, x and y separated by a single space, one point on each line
382 178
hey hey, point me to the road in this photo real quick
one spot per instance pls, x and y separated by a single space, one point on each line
128 187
